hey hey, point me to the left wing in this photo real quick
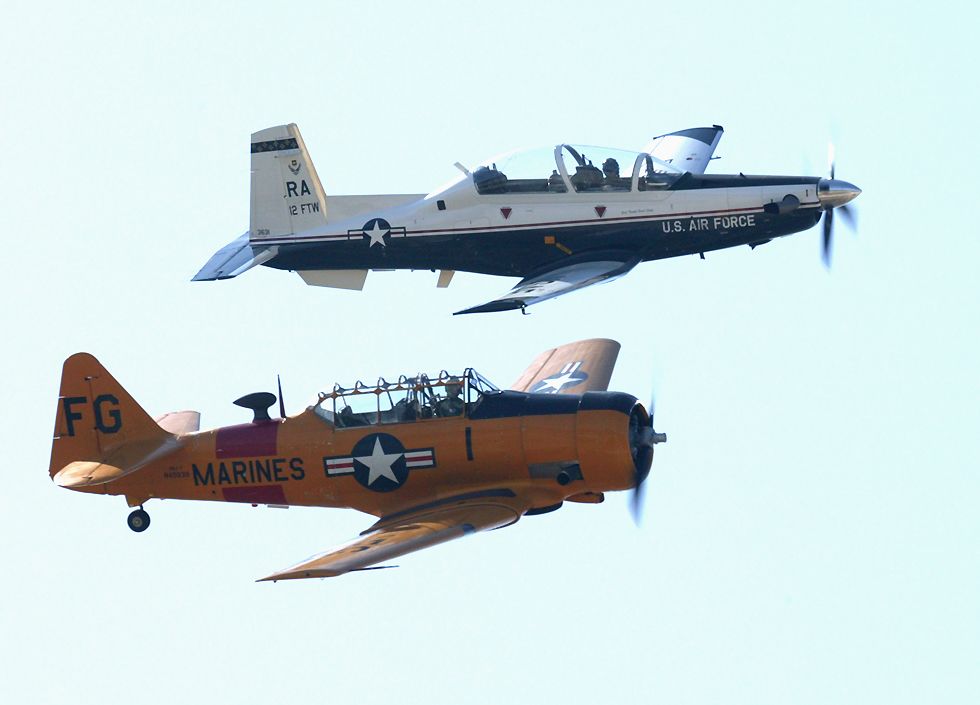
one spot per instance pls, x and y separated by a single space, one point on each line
412 530
579 367
568 276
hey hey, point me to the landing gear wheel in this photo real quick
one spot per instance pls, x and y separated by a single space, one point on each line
138 520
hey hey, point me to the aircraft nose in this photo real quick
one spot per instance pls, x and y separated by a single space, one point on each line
834 192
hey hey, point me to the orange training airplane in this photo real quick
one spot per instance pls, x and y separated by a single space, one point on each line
434 458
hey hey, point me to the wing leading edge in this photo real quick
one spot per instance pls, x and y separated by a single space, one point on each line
412 530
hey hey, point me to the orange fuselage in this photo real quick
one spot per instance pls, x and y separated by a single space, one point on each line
546 447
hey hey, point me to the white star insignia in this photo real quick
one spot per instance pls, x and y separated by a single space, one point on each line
379 463
377 234
560 381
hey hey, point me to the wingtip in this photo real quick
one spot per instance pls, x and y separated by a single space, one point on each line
492 307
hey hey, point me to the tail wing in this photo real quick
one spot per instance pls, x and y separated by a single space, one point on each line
574 368
287 196
100 432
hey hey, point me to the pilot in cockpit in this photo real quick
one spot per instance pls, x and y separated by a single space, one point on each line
452 403
610 170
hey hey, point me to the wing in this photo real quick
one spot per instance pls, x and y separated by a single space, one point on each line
556 281
412 530
689 150
574 368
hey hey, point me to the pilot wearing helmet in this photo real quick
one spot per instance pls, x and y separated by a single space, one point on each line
451 404
610 169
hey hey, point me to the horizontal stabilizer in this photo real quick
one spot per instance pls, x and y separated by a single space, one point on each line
180 422
568 275
234 258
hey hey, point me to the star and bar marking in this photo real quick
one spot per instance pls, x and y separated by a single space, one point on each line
375 230
380 462
569 376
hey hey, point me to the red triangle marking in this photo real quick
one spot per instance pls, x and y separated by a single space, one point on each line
506 212
600 211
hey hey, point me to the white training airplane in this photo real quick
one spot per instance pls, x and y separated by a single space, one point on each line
549 216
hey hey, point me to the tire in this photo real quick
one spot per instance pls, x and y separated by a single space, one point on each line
138 520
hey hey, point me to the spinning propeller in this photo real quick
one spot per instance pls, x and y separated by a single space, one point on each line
643 438
835 195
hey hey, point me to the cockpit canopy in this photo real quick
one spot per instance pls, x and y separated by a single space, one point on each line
573 167
407 399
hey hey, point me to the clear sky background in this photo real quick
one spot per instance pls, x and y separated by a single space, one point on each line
812 530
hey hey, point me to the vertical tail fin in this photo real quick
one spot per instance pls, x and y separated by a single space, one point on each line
100 432
286 193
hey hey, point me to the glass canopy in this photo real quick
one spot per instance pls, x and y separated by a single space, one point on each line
409 398
577 168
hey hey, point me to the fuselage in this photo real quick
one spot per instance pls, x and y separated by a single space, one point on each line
544 446
518 233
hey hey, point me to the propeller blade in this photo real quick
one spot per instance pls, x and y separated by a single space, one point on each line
643 462
849 213
831 160
636 504
828 226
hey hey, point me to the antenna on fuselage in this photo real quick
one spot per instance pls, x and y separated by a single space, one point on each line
282 404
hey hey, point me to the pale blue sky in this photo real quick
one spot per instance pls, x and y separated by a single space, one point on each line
812 533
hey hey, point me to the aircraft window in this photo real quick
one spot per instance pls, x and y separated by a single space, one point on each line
399 402
580 165
476 387
355 409
406 400
523 171
650 173
448 397
588 169
489 180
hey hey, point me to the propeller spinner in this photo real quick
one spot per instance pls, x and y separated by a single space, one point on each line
835 194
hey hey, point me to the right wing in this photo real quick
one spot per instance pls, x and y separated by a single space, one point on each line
577 367
567 276
688 150
412 530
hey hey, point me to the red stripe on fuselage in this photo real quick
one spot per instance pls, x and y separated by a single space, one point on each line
248 440
260 494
